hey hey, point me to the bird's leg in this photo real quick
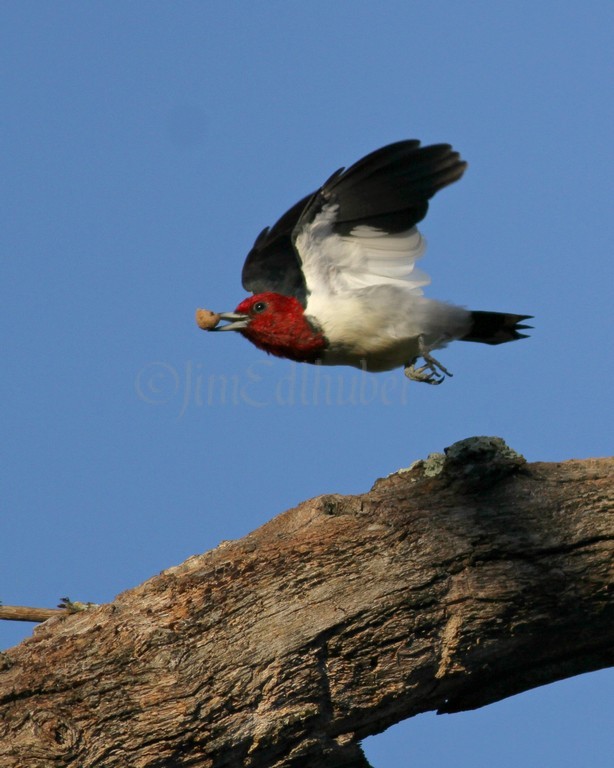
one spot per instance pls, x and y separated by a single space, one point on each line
433 372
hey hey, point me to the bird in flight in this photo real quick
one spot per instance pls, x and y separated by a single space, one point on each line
335 280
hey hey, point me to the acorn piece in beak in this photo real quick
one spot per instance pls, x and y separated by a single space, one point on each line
206 319
209 321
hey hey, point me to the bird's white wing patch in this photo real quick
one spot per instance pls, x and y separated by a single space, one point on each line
334 263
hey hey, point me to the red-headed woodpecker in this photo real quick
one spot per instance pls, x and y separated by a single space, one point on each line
334 281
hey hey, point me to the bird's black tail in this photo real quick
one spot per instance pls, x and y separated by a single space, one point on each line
496 327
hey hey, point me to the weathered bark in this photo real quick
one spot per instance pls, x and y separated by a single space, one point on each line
446 587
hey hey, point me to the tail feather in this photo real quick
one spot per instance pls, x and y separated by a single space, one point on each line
496 327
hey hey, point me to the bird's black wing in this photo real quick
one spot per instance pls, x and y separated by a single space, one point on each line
273 263
388 189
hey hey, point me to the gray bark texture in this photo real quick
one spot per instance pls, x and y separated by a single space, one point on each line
467 578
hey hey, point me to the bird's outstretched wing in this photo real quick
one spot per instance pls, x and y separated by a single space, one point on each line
358 229
273 263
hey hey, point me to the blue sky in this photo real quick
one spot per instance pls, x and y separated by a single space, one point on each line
145 145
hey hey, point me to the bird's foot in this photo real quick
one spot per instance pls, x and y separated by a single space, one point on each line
432 372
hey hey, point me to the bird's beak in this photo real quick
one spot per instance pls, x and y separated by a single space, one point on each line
236 322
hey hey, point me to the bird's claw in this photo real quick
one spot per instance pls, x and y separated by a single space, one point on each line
432 372
426 373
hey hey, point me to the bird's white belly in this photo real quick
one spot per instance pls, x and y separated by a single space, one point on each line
379 328
393 356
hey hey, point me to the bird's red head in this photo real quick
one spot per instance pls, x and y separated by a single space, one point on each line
277 324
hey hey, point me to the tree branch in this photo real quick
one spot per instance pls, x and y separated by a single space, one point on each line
27 613
461 581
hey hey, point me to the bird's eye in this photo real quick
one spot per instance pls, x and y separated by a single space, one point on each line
259 306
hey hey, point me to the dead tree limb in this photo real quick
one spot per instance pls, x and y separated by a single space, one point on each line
456 583
28 613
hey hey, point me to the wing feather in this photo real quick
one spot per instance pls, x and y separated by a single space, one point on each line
333 263
273 263
358 229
